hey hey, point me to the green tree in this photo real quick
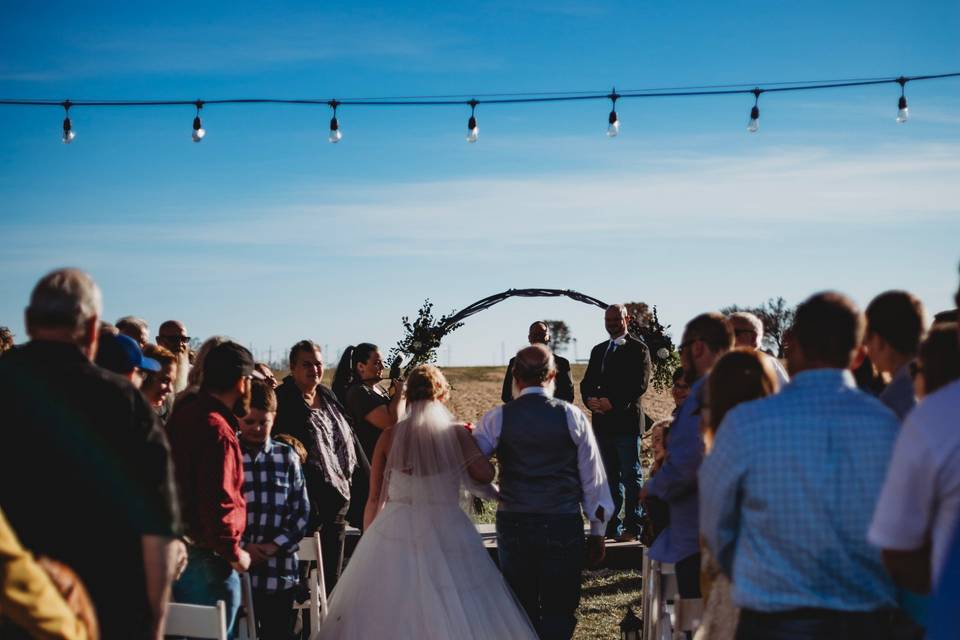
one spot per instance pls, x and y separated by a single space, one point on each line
560 336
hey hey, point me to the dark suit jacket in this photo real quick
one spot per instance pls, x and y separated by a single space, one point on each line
564 381
623 381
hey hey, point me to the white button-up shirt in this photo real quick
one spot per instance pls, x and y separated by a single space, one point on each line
593 479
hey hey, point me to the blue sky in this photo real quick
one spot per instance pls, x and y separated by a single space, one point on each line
267 233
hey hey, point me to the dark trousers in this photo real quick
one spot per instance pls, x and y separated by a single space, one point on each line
814 624
541 557
688 576
329 510
275 614
621 460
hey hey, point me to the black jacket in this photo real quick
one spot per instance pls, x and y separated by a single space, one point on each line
623 381
564 389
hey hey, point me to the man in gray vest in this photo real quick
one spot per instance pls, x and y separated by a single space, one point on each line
549 467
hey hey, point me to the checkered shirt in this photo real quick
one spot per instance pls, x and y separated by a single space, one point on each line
277 512
788 492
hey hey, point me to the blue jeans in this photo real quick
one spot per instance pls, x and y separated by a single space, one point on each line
541 557
815 624
209 578
621 460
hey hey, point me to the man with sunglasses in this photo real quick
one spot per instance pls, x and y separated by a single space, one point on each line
174 337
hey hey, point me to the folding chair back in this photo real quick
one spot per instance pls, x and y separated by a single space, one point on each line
197 621
310 551
247 628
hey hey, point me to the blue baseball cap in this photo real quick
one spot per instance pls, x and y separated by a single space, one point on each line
121 354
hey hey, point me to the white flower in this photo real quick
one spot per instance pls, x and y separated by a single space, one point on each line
416 346
663 353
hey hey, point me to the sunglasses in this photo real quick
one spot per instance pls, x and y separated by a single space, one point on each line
182 339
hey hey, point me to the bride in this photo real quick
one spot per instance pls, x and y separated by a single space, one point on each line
420 570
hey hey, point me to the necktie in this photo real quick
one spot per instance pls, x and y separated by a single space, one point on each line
606 356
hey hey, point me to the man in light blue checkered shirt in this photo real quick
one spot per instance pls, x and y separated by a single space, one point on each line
788 492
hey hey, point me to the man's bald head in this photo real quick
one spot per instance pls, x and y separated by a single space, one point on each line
534 366
173 335
539 333
615 320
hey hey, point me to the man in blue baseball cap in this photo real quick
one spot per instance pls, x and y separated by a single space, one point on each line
121 354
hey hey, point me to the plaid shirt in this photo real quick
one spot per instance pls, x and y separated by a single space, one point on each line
789 490
277 512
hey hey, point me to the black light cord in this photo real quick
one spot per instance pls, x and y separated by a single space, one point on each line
519 98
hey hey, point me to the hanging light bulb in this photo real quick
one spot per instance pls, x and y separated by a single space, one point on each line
613 128
198 130
68 134
902 112
754 125
473 130
335 134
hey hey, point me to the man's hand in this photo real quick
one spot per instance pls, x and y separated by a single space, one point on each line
594 405
604 404
596 550
260 552
179 551
242 563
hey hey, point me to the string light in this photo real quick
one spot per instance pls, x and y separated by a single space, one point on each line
335 134
68 134
613 128
902 111
198 130
754 125
613 121
473 130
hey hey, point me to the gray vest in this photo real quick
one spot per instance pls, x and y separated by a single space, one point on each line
538 458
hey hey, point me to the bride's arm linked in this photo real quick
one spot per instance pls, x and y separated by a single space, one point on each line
479 467
376 477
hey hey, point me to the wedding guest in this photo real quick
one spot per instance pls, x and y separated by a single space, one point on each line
946 595
540 334
779 510
157 386
616 378
920 502
102 499
895 326
122 355
656 511
370 409
209 468
705 339
136 328
309 412
938 360
173 336
680 389
6 340
195 377
277 514
748 334
267 374
550 467
739 376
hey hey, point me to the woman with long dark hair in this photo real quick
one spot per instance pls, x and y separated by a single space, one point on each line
370 408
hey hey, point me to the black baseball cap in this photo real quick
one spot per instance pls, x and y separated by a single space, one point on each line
226 363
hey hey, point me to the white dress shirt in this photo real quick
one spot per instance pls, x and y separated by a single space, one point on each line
593 479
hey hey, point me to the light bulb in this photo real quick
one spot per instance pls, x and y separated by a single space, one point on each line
198 130
474 129
754 125
614 129
68 134
335 134
902 112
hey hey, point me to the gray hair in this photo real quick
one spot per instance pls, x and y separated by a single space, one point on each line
534 364
752 319
132 322
64 299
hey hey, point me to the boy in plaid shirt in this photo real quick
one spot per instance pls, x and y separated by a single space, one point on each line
277 513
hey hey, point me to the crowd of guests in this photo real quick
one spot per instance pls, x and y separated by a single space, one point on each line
800 501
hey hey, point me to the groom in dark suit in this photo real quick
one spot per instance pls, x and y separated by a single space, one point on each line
540 334
616 378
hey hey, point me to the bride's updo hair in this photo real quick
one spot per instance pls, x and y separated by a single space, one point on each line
426 382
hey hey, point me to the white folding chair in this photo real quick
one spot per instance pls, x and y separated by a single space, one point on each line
687 614
247 630
196 621
310 551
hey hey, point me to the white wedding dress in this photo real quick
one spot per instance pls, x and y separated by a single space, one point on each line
420 571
